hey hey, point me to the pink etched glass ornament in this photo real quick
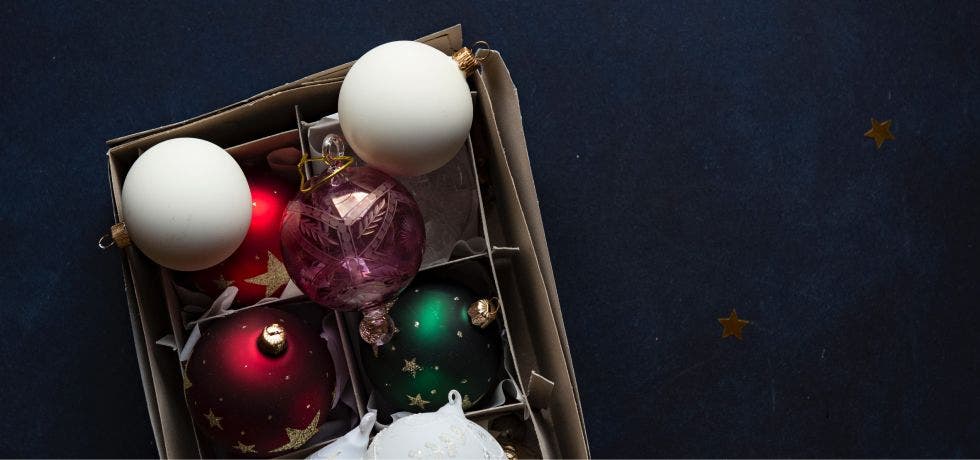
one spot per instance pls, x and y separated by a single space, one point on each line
353 240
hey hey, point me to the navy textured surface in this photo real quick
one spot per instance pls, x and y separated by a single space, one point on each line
690 158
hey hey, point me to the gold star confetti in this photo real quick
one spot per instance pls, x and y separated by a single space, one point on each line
222 283
213 420
466 402
732 325
880 132
298 437
411 367
244 448
274 278
187 382
417 401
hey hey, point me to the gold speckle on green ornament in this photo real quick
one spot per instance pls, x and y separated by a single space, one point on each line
412 367
416 324
432 392
417 401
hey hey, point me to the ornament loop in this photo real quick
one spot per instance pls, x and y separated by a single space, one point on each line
334 156
106 241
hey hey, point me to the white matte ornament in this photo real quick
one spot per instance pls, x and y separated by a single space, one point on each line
445 433
186 204
405 108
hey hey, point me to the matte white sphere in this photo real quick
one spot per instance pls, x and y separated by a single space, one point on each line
186 204
445 433
405 108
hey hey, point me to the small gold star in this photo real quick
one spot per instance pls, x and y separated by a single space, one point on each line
417 401
732 325
298 437
411 367
222 283
274 278
187 382
213 420
880 132
243 448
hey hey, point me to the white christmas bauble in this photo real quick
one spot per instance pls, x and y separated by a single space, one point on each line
445 433
405 108
186 204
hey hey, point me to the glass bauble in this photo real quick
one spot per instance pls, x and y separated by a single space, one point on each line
436 350
445 433
256 267
354 241
259 382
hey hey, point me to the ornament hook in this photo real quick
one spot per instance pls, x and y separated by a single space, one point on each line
334 156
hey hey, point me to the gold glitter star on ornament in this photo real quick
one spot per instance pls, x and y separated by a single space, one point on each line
732 325
411 367
274 278
245 448
417 401
298 437
213 420
880 132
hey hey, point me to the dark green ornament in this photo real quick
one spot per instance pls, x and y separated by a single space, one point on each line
437 349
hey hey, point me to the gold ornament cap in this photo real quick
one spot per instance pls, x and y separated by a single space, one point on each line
118 235
376 327
483 312
273 340
466 60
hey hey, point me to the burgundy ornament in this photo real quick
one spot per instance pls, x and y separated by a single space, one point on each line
353 239
259 382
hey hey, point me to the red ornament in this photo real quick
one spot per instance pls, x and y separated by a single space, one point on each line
256 268
259 382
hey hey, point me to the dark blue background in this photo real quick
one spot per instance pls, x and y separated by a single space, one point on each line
690 158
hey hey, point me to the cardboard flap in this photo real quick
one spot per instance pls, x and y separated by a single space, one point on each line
539 390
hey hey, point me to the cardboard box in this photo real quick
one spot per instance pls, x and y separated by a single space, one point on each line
516 256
